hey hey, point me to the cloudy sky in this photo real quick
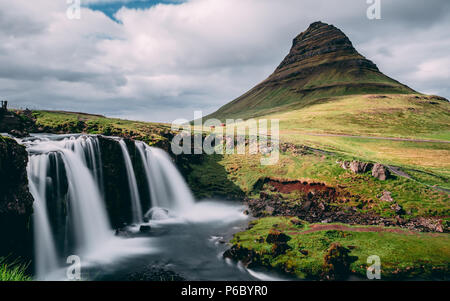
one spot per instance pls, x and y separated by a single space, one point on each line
161 60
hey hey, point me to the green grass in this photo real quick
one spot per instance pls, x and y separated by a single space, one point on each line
403 254
426 162
241 172
13 271
405 116
72 122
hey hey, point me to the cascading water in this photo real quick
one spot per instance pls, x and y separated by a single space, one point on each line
134 192
167 187
87 213
45 254
65 178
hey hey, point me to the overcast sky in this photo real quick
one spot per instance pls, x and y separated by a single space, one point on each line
161 60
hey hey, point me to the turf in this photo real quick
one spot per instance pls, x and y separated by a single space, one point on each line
403 254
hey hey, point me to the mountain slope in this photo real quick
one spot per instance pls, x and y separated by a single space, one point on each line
322 63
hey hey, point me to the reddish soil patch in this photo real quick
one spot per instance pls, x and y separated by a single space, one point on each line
291 186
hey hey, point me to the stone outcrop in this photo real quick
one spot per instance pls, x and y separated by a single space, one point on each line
380 172
17 125
356 166
117 194
16 202
386 196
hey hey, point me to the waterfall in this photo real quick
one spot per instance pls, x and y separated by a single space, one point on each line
87 214
134 192
86 204
45 254
167 187
66 181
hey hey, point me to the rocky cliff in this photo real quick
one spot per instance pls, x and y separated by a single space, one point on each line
16 202
117 194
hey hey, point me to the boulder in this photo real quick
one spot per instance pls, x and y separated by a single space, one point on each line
380 172
18 133
145 229
336 262
280 248
276 236
359 167
397 208
386 197
344 164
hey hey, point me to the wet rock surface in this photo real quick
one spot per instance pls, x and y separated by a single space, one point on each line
153 273
16 202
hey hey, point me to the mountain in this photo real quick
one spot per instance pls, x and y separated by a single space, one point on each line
322 63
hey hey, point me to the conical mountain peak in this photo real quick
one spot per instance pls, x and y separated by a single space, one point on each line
322 63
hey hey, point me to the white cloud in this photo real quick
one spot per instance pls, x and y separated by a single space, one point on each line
166 61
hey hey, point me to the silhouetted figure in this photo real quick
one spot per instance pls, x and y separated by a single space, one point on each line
4 105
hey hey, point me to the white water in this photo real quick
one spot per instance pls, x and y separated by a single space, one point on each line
85 203
95 242
45 255
134 192
167 187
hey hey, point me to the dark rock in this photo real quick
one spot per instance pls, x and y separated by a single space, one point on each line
304 252
152 273
280 248
307 205
247 257
18 133
16 202
117 195
122 232
380 172
336 262
145 229
276 236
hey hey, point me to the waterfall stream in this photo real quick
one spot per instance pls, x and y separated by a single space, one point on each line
134 192
168 189
85 206
66 171
66 178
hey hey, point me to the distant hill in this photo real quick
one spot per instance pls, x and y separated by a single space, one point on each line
322 63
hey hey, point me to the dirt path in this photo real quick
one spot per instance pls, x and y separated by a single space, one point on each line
378 138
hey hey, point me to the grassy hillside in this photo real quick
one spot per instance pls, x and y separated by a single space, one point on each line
242 172
262 101
74 122
407 116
